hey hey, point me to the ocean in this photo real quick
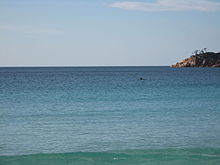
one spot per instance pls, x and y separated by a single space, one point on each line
109 115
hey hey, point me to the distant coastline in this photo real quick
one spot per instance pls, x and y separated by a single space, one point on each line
201 59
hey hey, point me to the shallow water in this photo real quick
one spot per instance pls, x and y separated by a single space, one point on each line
96 109
131 157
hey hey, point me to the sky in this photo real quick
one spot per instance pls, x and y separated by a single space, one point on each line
106 32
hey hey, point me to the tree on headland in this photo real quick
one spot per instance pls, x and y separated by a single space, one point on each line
199 52
196 52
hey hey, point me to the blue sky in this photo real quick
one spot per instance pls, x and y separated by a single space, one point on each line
106 32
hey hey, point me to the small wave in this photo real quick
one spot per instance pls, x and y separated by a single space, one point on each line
129 157
210 155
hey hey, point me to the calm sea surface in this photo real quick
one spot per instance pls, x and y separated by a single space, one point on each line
107 115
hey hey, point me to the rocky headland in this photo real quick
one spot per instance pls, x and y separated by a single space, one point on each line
203 59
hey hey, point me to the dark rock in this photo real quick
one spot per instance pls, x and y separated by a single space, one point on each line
208 59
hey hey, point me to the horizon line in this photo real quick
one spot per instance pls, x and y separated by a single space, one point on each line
68 66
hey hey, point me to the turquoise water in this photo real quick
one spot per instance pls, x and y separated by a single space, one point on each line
107 115
133 157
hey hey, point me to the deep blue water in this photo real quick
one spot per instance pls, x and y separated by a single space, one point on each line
96 109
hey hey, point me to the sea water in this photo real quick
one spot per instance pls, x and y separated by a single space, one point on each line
109 115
